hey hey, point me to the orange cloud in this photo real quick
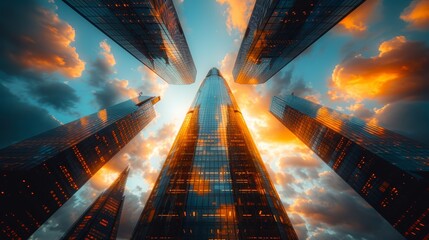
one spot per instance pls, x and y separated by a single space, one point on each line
359 110
417 14
47 48
399 71
255 108
357 21
238 13
104 177
122 87
146 154
108 56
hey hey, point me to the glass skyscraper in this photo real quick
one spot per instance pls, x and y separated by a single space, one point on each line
213 184
279 30
101 220
149 30
39 174
390 171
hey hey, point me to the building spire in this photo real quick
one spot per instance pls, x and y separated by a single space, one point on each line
101 219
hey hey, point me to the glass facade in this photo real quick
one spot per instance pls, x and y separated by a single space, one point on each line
148 29
279 30
101 220
39 174
390 171
213 184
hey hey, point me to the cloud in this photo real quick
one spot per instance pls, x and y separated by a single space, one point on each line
409 118
398 72
108 56
254 101
155 145
357 21
37 41
20 120
237 13
113 91
58 95
360 111
417 15
331 210
35 46
108 91
102 66
317 201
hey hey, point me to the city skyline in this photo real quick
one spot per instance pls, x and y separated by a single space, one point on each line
57 67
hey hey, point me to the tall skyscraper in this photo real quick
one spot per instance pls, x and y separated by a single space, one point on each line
149 30
39 174
101 220
280 30
213 184
390 171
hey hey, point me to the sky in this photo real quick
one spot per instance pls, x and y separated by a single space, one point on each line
56 67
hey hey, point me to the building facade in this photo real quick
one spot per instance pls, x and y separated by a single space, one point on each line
38 175
101 220
149 30
213 184
279 30
390 171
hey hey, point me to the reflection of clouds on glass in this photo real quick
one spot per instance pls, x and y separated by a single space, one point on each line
102 115
332 120
148 30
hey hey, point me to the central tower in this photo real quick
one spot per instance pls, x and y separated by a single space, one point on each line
213 184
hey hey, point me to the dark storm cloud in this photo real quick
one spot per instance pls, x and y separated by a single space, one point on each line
34 44
56 94
19 120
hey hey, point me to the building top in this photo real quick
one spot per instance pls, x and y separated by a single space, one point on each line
399 150
213 71
278 31
149 30
102 218
32 151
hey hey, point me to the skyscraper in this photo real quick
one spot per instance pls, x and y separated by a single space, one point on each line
280 30
39 174
101 220
390 171
213 184
149 30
